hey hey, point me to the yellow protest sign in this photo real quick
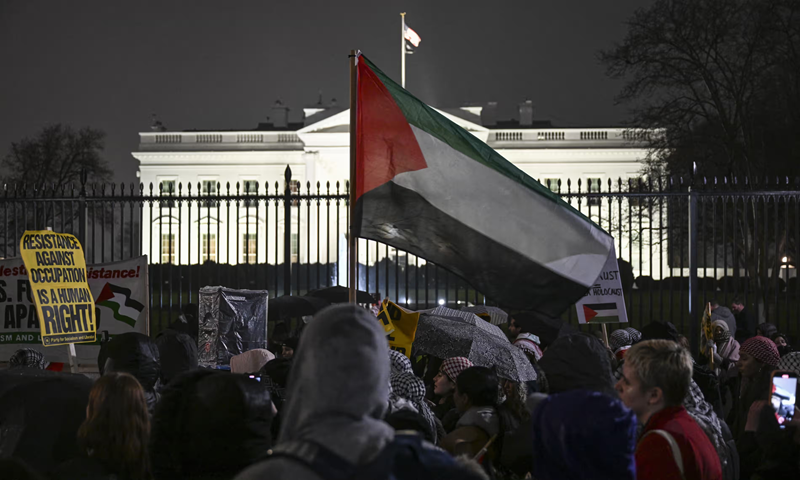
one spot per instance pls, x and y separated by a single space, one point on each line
57 273
404 326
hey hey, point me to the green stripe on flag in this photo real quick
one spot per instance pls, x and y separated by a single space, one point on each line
114 306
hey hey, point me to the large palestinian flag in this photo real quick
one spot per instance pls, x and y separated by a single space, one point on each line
427 186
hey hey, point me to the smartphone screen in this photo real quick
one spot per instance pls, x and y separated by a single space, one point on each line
784 396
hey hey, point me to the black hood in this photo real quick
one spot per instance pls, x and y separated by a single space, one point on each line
132 353
578 361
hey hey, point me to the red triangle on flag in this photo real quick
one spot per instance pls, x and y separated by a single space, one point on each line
589 313
105 294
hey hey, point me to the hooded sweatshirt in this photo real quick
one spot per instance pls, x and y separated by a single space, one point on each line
337 394
578 361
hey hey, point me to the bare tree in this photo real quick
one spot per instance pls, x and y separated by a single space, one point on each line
56 156
721 78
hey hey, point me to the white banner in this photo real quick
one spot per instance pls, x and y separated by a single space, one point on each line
121 305
604 303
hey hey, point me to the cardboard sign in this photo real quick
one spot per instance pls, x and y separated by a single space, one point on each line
57 273
604 303
121 306
403 325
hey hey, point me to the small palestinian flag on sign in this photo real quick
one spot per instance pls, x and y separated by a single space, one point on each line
119 300
601 312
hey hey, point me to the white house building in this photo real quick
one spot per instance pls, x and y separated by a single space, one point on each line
317 150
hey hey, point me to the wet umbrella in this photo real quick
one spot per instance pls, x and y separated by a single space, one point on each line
468 318
339 294
445 337
494 315
40 416
288 306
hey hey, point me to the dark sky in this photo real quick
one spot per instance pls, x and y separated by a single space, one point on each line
222 64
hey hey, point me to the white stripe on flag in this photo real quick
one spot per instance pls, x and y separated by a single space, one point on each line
575 250
125 310
411 36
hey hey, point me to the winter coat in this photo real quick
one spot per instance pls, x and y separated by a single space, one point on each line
338 393
725 314
138 355
653 454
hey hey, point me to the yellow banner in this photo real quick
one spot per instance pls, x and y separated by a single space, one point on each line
57 273
400 325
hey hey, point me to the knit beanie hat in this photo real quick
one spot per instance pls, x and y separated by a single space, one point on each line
453 366
762 349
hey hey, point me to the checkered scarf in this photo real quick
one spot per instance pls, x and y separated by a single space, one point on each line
762 349
406 386
722 337
399 363
791 362
619 338
529 343
453 366
636 335
28 357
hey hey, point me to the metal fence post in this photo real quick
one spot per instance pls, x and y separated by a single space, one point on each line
694 320
287 233
82 213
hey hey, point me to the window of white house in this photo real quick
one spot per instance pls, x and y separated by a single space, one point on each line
594 187
250 187
168 248
167 187
208 247
209 189
295 247
249 251
551 183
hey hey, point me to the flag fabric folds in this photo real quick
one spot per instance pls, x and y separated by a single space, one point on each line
427 186
411 36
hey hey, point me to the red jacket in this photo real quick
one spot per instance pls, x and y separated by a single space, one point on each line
654 459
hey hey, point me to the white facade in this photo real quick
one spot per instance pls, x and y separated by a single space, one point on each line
319 152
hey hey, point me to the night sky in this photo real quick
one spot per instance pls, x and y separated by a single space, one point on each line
222 64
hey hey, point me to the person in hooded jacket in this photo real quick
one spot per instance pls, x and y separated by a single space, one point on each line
335 405
577 361
581 434
210 425
138 355
177 353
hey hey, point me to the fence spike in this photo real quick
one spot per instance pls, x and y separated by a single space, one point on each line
228 188
559 185
337 187
113 189
237 188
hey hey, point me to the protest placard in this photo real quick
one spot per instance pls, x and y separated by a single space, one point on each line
604 302
57 272
121 306
403 325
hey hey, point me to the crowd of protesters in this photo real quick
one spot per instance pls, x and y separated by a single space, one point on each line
334 402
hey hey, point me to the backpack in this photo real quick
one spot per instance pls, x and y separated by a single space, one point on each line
405 458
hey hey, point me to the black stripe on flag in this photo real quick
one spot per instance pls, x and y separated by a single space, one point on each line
601 306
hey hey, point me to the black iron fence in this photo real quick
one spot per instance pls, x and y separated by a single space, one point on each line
681 242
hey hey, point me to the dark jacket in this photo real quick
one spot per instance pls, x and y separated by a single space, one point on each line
178 352
136 354
84 468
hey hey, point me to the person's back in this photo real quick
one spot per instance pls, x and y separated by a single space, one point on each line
654 457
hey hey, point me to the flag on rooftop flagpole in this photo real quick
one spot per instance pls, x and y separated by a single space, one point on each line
429 187
411 36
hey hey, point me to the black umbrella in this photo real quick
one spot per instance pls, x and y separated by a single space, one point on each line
339 294
40 416
289 306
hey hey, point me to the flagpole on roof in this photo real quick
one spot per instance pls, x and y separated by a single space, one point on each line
352 243
403 49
